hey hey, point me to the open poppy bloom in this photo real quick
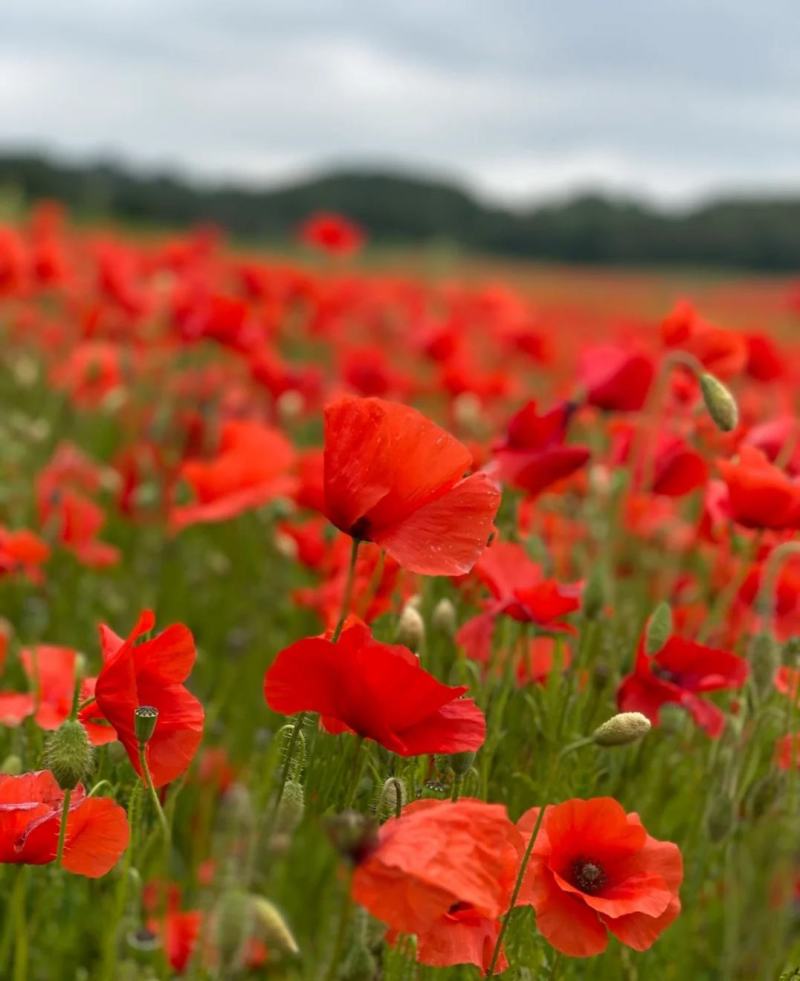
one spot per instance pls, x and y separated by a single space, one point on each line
379 691
251 468
616 378
30 820
595 869
395 478
22 552
533 455
678 674
150 673
760 495
443 871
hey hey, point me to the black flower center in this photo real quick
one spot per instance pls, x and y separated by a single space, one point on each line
588 876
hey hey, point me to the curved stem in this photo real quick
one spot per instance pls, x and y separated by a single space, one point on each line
148 779
347 598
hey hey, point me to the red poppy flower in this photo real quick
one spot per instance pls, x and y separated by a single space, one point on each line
615 377
22 552
150 673
379 691
445 872
30 819
678 674
759 494
251 468
332 233
395 478
675 468
533 456
595 869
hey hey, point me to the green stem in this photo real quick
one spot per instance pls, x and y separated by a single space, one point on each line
347 597
515 894
341 934
62 829
148 779
358 770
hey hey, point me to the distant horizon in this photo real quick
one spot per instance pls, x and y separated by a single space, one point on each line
280 179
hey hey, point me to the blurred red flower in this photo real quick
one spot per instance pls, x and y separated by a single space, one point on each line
30 819
615 377
379 691
760 495
445 872
595 869
678 674
395 478
332 233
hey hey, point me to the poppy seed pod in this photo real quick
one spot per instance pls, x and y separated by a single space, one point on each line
719 402
68 754
622 729
145 719
410 629
659 628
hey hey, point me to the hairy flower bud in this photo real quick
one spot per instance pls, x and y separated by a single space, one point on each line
290 808
410 629
443 618
145 719
719 402
68 754
392 798
287 738
659 629
272 926
764 662
621 729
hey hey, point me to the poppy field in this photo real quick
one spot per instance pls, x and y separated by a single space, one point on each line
363 620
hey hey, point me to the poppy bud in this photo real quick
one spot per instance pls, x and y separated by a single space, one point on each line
719 402
467 412
659 629
297 761
392 798
594 595
410 630
353 835
68 754
290 808
11 765
272 926
290 405
764 662
721 817
443 618
232 922
285 545
145 719
621 729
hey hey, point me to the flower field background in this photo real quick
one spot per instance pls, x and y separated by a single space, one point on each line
387 597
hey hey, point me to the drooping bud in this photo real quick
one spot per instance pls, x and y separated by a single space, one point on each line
659 629
443 618
272 926
622 729
287 738
764 662
290 808
392 799
68 754
145 718
410 629
719 402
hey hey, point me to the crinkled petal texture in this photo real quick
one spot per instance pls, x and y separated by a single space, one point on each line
760 495
379 691
444 871
151 673
394 477
30 818
594 868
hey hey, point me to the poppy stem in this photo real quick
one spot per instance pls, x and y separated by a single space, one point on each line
341 933
148 779
85 703
515 894
62 828
348 591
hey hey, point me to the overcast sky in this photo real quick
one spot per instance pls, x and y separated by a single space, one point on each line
517 98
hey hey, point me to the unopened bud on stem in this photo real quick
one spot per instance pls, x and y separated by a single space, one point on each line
719 402
621 729
68 754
